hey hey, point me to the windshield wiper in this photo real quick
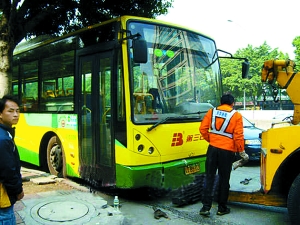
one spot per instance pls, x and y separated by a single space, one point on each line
199 112
165 120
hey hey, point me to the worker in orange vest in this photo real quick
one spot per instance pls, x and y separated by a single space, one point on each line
222 127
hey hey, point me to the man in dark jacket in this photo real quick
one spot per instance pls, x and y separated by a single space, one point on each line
10 169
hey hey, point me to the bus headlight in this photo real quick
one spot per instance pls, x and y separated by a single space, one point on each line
140 148
137 137
150 150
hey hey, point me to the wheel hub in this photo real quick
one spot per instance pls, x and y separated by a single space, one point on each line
56 157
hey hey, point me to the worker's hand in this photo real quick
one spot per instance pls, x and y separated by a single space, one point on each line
244 156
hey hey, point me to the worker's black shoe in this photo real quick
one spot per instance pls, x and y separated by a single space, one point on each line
223 211
204 212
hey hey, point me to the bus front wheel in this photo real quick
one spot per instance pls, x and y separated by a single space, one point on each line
55 157
293 203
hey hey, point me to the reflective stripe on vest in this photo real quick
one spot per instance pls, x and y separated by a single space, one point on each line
221 114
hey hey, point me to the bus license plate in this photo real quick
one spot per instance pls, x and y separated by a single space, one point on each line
190 169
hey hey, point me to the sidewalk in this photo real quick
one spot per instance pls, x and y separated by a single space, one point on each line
77 206
80 206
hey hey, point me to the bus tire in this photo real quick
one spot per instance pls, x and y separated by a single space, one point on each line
55 157
293 202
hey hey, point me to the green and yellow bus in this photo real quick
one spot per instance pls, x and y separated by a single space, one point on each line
118 103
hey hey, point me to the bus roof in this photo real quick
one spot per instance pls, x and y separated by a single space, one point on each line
24 45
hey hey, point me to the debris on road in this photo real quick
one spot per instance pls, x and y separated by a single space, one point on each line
159 213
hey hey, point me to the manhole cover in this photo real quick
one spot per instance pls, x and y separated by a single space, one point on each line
62 211
64 207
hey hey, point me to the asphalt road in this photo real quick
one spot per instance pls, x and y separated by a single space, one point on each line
139 211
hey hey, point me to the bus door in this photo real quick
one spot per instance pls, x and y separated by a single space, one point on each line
95 138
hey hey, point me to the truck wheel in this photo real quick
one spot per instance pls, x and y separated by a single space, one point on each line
55 157
293 203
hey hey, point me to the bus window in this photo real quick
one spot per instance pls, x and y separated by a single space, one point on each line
49 89
69 91
30 99
120 97
58 83
174 81
29 73
15 79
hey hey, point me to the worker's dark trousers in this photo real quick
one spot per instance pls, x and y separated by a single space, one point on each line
221 160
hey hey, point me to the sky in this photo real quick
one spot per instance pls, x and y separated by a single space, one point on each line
234 24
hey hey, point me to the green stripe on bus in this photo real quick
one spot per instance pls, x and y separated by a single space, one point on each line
28 156
54 120
71 172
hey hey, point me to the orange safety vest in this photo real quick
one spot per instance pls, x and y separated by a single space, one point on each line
222 127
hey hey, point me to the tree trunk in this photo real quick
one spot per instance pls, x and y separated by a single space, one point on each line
6 53
4 84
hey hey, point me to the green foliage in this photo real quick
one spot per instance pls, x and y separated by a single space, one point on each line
296 43
33 18
30 17
231 71
104 10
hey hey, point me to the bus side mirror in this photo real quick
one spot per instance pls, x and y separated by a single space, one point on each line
245 69
140 50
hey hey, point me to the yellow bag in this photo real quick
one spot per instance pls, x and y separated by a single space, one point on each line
4 199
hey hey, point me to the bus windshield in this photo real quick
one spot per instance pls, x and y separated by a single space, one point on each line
178 81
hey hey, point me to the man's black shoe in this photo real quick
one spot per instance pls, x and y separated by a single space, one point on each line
204 212
222 212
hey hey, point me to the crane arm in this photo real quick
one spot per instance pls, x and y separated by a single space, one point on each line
282 72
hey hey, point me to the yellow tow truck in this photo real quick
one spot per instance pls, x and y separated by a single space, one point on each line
280 150
280 169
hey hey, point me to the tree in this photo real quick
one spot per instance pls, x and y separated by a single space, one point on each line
107 9
252 86
21 19
296 43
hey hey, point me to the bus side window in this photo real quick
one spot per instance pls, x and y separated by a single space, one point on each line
69 91
29 104
60 92
50 94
